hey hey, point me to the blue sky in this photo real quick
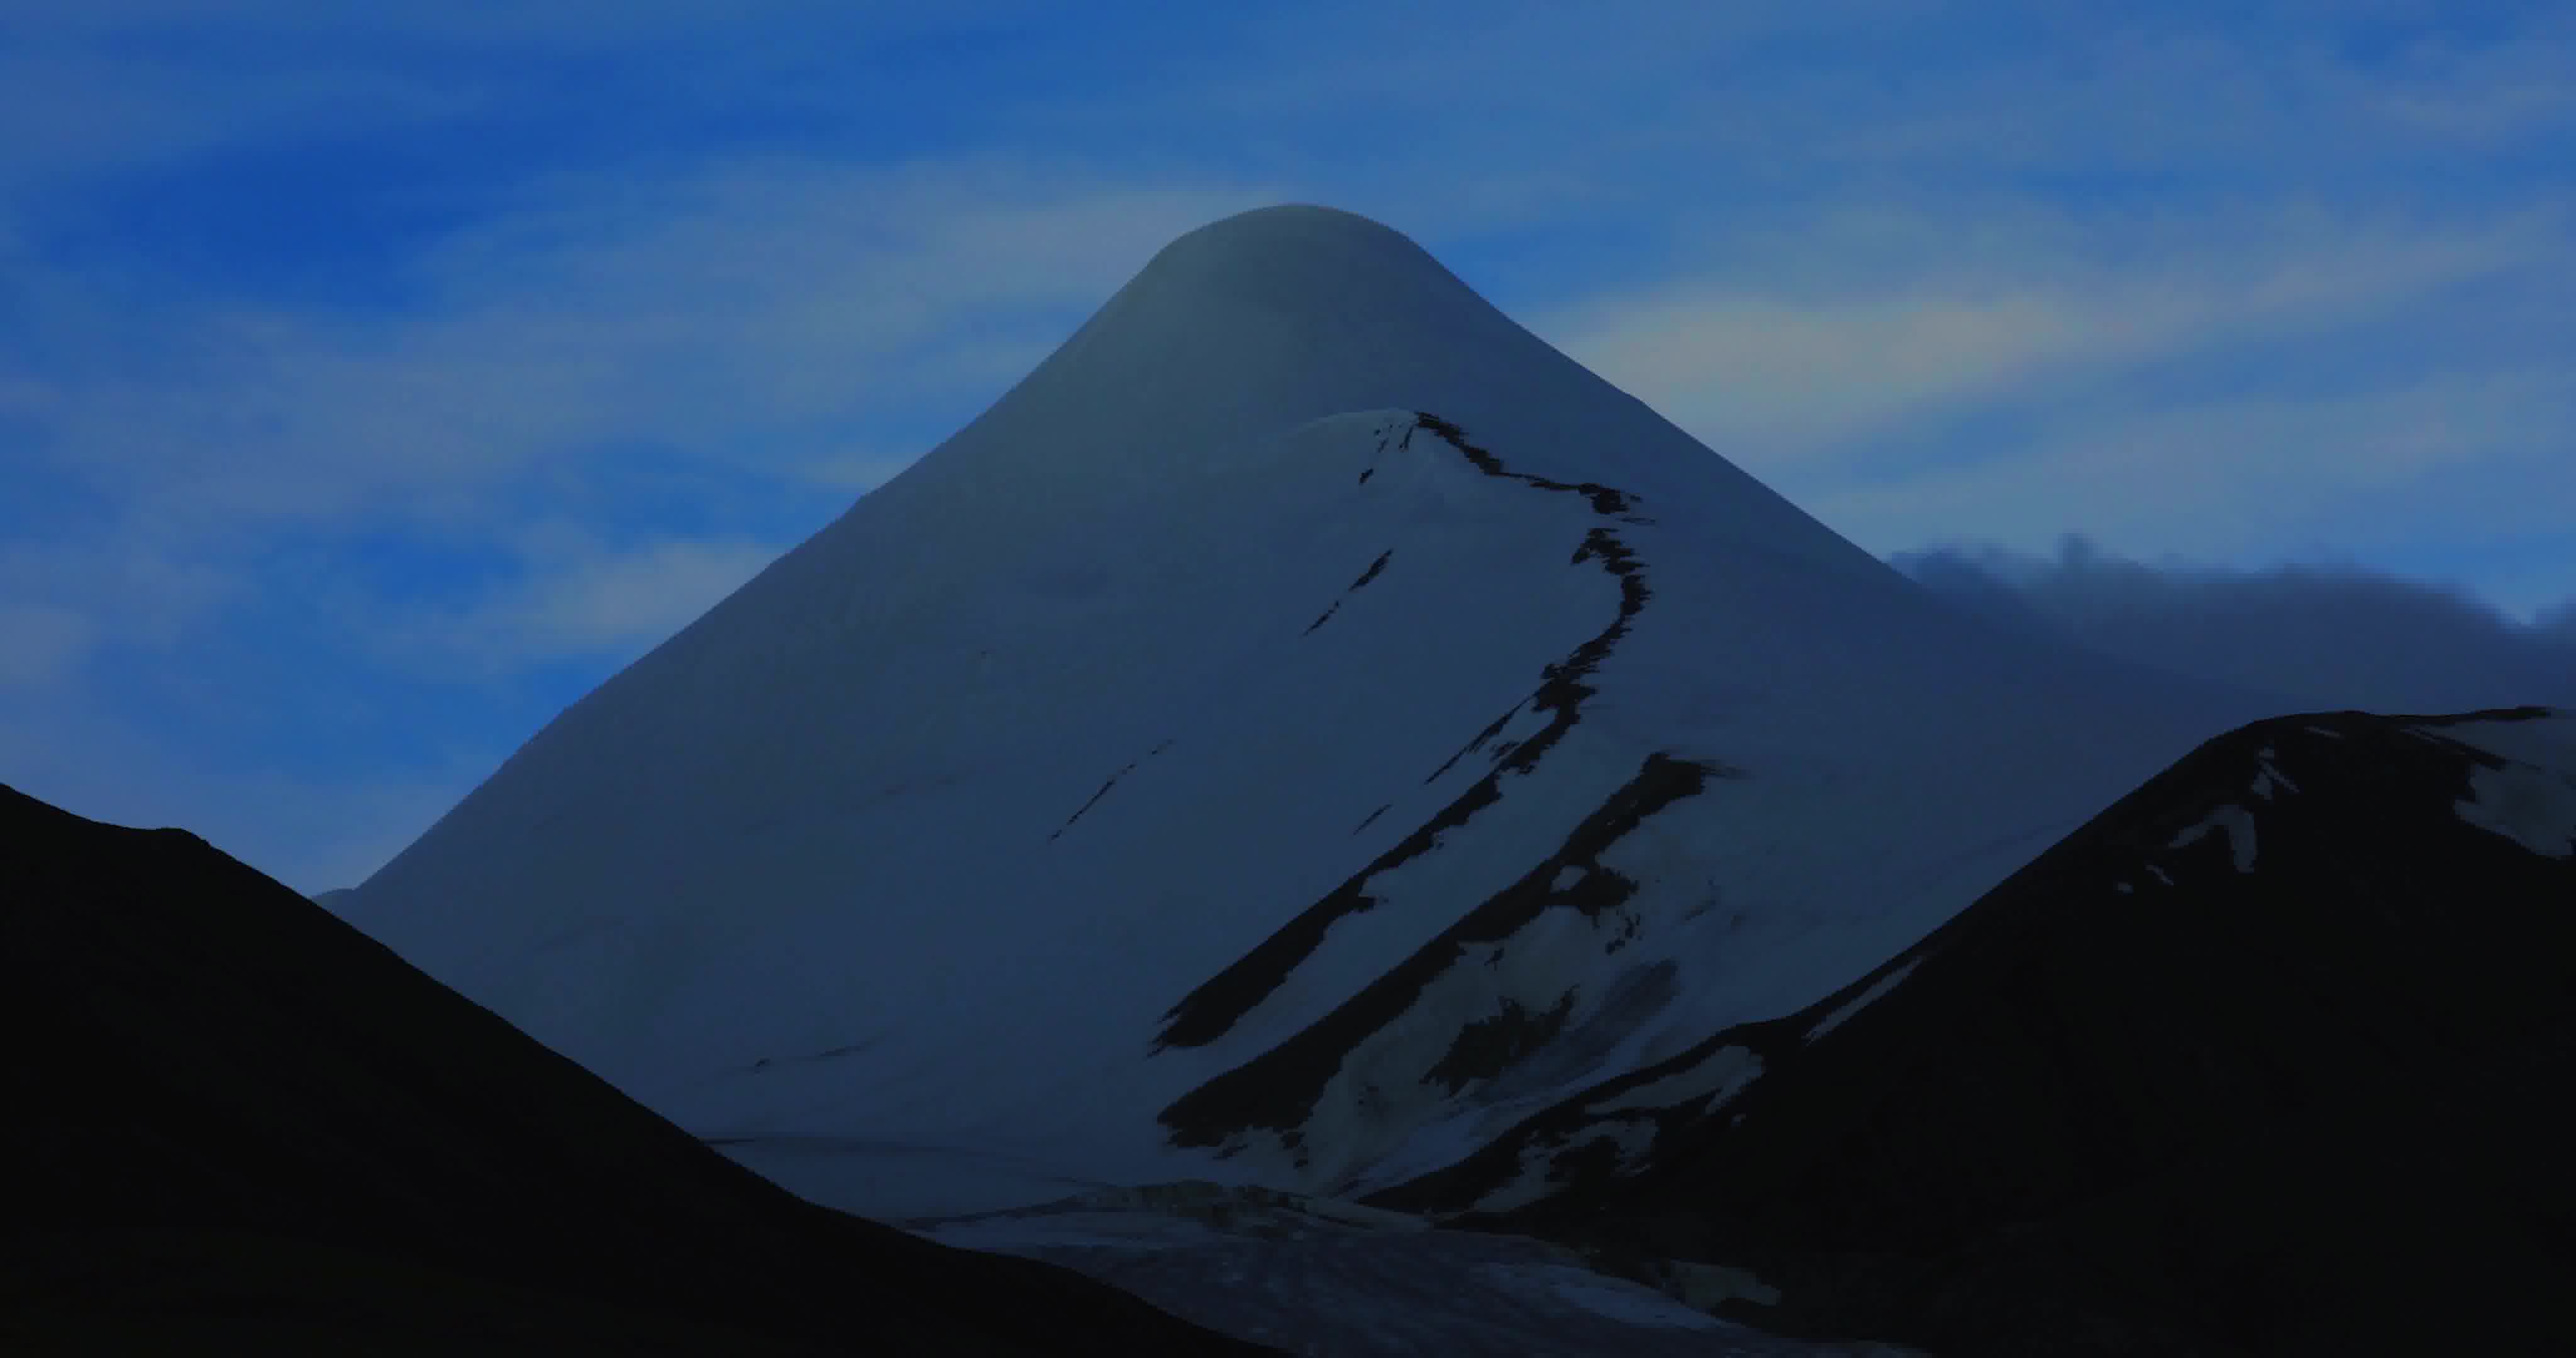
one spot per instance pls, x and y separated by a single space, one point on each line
374 380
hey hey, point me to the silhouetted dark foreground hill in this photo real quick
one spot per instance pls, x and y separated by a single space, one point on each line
238 1125
2272 1056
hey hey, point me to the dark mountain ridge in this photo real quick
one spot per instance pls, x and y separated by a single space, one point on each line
240 1122
2261 1060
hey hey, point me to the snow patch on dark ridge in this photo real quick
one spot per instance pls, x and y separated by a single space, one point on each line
2009 1138
1279 1089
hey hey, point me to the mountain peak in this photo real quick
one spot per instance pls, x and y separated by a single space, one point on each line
1293 256
1269 319
1324 309
1291 227
1281 219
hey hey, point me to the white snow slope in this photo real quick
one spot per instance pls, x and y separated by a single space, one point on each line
1204 766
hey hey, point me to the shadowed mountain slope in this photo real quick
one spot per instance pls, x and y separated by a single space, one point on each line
2267 1058
237 1124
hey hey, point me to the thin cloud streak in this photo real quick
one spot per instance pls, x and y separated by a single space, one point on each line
610 604
41 644
1793 350
2456 458
779 327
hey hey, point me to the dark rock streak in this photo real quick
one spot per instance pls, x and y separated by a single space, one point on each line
1279 1088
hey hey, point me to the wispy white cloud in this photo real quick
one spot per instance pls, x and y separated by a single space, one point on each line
2484 91
120 588
792 289
81 103
1780 349
41 644
859 468
599 412
312 830
2231 382
577 603
781 326
2463 456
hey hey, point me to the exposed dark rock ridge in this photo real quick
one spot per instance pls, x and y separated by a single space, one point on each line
1605 499
1110 782
1216 1005
237 1124
1374 568
1278 1089
1487 1047
1476 742
1355 586
2261 1060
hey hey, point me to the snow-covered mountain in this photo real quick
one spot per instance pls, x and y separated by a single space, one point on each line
1304 729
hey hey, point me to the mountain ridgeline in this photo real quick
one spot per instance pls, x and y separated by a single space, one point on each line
241 1126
